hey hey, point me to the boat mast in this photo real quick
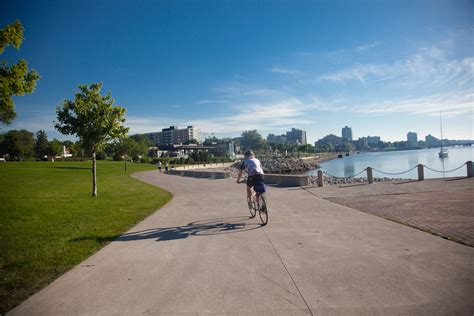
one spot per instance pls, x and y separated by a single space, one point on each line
441 125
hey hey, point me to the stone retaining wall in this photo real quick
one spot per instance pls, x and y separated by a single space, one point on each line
201 174
286 180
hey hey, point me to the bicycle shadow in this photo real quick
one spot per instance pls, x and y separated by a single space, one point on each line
217 226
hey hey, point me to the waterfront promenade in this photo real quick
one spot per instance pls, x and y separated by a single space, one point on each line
201 254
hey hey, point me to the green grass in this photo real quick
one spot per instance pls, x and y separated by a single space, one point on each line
49 222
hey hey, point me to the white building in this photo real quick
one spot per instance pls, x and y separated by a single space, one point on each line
173 136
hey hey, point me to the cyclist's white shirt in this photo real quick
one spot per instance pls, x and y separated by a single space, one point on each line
253 166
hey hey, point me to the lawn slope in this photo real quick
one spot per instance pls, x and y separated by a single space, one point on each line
49 222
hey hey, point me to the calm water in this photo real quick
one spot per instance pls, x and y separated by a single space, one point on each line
399 161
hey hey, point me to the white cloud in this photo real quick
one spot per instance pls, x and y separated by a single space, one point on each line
260 116
209 101
367 47
287 71
451 104
148 124
428 67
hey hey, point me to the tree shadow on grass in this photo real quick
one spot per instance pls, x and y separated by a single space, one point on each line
217 226
81 168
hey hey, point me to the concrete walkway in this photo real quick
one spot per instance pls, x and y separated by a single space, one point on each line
201 254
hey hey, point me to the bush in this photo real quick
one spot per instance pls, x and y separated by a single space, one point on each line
101 155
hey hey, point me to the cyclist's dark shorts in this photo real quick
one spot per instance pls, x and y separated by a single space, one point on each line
254 180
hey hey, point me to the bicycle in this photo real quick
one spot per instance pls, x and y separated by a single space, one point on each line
257 202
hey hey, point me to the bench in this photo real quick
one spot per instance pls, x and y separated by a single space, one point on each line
3 159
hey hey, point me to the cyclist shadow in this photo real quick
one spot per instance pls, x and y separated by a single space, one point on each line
217 226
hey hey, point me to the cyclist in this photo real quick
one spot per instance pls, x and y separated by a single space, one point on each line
255 173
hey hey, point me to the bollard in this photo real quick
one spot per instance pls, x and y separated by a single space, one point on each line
370 176
421 172
469 169
320 178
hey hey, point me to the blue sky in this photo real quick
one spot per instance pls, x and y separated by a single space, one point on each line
383 67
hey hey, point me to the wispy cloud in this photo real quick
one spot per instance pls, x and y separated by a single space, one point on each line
367 47
261 116
149 124
451 104
360 73
210 101
236 91
429 67
286 71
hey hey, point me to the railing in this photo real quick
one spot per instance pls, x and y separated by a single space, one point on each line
420 167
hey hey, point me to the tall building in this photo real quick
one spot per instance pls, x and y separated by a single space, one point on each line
272 138
296 136
373 140
347 133
362 143
432 141
412 138
172 135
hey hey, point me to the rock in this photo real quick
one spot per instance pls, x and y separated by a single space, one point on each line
313 180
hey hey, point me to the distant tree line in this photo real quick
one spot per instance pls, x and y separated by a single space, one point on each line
18 145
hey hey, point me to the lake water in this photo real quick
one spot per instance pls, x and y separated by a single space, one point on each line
400 161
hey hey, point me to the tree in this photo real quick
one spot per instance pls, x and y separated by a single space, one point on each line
15 80
20 144
127 148
94 119
308 148
141 138
55 148
41 145
252 140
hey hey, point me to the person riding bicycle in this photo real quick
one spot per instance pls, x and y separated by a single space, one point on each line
255 173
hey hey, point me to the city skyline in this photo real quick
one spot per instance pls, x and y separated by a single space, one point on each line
383 68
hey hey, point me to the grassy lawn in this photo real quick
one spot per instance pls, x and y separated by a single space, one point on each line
49 222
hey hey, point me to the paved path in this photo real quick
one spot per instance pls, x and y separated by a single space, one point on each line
442 206
201 254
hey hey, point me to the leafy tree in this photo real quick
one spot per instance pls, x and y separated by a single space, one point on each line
94 119
141 138
211 140
127 148
192 141
15 80
252 140
308 148
41 145
55 148
20 144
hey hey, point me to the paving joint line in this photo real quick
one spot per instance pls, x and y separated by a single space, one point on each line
287 271
383 194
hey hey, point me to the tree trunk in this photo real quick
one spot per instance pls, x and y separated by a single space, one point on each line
94 175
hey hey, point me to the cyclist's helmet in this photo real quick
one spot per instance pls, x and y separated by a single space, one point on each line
249 154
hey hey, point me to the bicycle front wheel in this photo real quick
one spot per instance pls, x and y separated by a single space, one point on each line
262 210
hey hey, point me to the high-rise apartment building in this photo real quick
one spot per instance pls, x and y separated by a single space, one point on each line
432 141
296 136
172 136
347 133
373 140
412 138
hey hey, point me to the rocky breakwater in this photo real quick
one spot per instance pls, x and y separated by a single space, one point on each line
281 165
313 180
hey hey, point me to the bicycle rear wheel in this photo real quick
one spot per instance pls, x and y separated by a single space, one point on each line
262 210
252 207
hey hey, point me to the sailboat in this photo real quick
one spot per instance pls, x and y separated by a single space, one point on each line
443 152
